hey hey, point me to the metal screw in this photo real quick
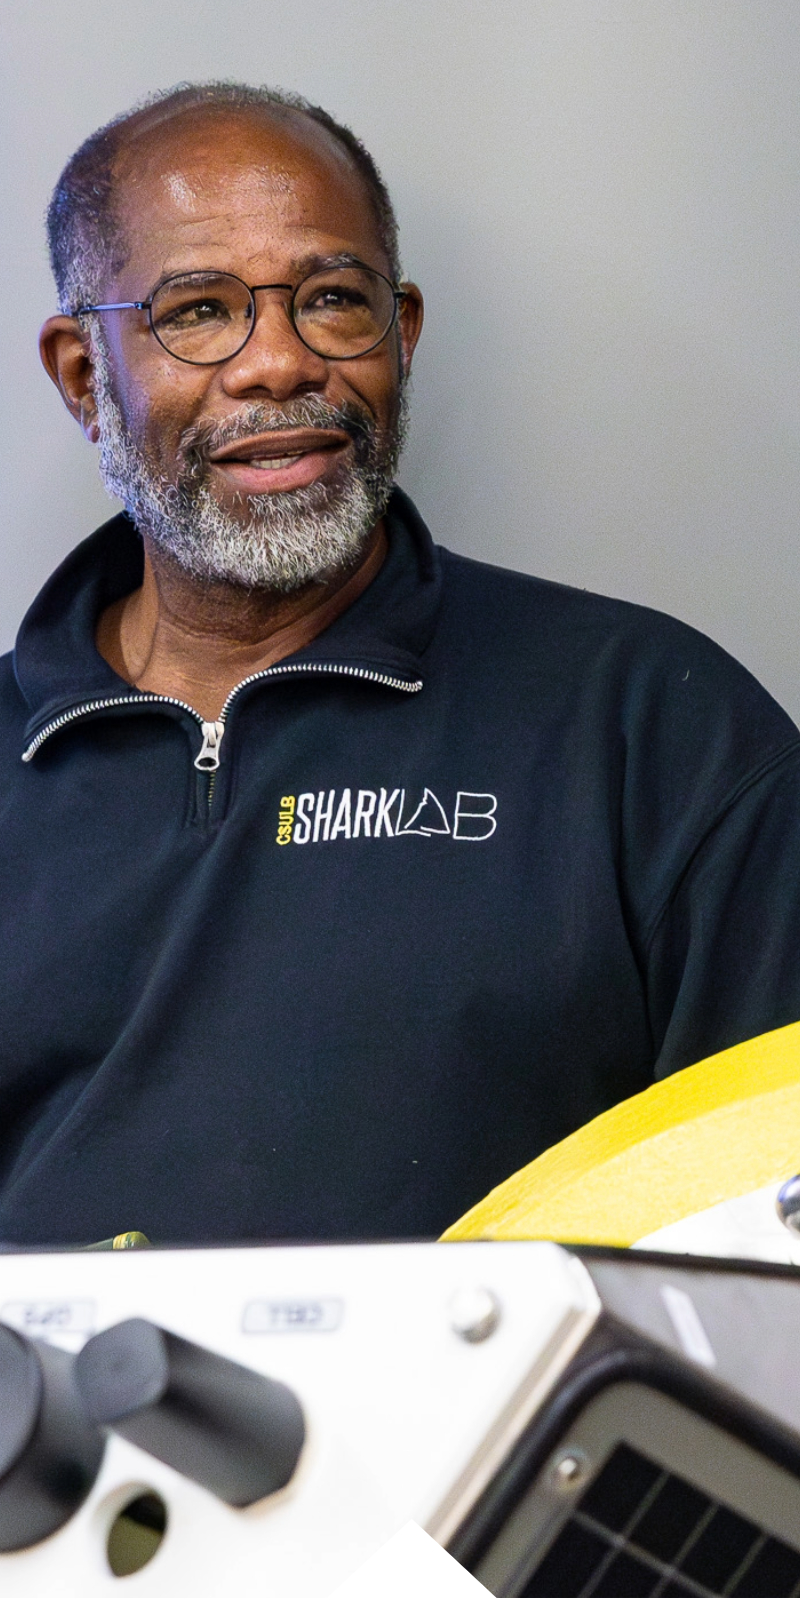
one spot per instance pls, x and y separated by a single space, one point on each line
474 1314
787 1204
569 1472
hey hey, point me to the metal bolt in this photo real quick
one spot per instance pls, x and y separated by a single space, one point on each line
474 1314
787 1204
569 1471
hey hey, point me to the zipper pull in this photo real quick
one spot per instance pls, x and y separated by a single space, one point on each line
208 759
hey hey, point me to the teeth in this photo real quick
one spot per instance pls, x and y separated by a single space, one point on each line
272 463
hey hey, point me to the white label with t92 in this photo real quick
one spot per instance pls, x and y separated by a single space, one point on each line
292 1316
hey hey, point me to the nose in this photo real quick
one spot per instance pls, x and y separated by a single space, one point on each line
274 360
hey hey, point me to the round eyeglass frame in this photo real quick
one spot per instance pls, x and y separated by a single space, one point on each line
253 289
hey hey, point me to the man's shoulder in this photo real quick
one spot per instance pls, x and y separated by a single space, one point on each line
496 589
540 616
14 711
572 653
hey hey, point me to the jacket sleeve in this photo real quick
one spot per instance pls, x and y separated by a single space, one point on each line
723 958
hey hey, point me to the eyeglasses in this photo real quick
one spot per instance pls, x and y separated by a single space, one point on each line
206 317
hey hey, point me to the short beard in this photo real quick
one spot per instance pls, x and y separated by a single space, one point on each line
283 541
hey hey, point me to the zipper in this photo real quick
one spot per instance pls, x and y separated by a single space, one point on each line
208 758
90 706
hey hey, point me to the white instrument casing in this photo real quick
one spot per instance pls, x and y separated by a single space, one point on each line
408 1415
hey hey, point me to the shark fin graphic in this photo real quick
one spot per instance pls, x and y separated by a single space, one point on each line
428 818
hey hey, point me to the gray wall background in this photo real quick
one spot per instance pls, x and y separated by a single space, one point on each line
601 201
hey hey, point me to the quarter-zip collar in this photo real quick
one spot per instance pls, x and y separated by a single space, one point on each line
60 672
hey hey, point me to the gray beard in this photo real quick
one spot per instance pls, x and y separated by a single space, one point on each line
281 541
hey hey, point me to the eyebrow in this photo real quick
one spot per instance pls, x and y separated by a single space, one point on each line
303 267
342 258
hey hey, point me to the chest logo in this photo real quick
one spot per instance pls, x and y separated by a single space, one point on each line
327 815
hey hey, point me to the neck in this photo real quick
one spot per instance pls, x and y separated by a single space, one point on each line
196 641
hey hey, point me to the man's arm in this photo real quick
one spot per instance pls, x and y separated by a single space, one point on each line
723 958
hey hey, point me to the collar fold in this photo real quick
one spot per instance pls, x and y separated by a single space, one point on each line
386 630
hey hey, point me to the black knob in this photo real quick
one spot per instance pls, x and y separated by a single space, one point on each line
49 1453
231 1429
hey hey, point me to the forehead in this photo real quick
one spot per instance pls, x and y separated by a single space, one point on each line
235 189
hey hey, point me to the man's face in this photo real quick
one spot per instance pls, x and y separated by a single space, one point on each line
272 466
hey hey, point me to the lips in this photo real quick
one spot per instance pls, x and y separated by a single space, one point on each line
283 458
279 442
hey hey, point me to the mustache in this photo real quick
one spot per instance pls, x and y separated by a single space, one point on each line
201 439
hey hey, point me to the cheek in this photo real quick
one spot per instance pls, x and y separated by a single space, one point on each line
158 406
374 380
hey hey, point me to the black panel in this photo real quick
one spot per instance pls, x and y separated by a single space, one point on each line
718 1552
774 1569
615 1496
674 1515
640 1530
626 1574
569 1564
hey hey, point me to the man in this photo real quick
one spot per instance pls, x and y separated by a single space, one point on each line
342 875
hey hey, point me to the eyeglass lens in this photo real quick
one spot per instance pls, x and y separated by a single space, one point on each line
206 317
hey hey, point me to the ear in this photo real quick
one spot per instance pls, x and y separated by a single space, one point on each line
409 323
64 349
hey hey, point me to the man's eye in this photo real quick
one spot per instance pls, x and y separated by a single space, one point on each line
194 313
336 300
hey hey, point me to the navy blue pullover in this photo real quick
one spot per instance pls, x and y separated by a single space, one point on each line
484 858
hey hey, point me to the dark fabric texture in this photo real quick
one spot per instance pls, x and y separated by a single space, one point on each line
568 864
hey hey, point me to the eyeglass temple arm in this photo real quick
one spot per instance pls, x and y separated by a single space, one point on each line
119 305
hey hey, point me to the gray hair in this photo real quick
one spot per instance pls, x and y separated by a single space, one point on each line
82 227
